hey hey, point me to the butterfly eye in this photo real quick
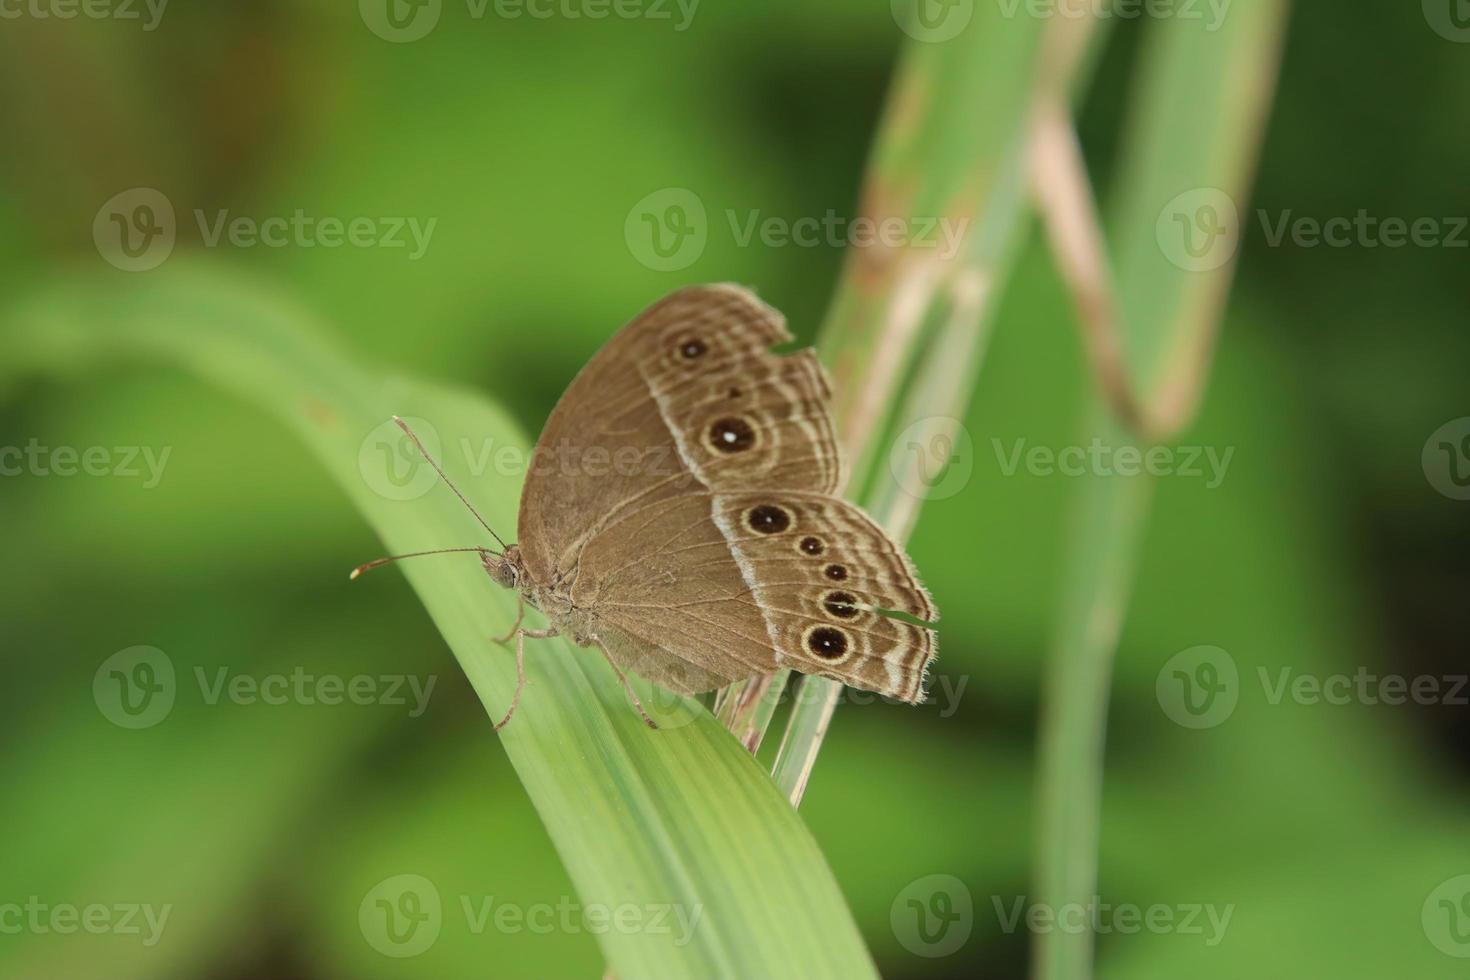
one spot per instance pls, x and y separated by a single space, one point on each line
692 349
768 519
812 546
732 435
827 642
843 605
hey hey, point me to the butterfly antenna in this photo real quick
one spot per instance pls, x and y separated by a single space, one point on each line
376 562
448 482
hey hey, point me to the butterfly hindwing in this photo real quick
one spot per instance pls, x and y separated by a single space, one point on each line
829 583
670 600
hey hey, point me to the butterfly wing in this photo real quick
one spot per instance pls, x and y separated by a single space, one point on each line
620 437
671 604
736 584
724 461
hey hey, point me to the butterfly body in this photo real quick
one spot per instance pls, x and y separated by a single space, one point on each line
566 619
681 513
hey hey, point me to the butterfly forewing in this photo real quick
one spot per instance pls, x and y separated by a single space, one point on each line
750 421
606 445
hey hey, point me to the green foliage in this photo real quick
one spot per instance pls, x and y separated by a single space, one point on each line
1322 551
681 818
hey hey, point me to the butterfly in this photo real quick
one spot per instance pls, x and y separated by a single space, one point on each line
681 515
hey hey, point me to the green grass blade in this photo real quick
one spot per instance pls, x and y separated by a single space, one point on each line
682 817
1202 98
909 328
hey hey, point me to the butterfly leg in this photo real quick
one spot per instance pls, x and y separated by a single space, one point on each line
516 626
627 688
515 698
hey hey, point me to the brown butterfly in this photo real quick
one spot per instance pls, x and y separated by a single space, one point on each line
680 514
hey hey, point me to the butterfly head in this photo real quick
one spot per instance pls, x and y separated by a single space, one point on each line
506 569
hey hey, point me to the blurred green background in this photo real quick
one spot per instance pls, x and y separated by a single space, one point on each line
1324 550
